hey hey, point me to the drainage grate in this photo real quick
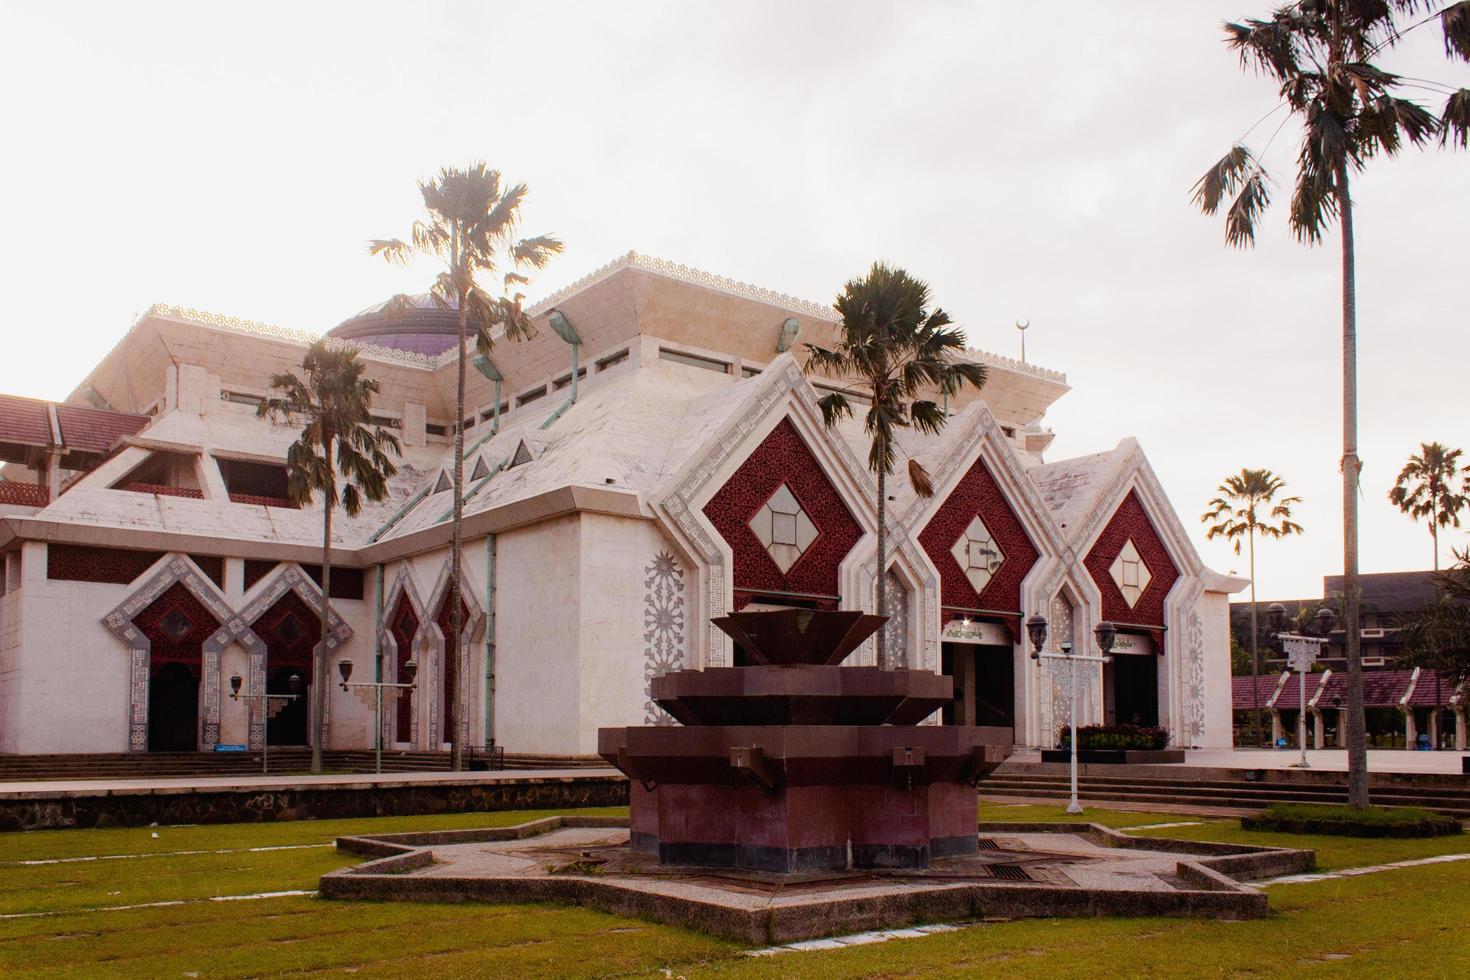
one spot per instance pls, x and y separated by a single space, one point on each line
987 844
1009 872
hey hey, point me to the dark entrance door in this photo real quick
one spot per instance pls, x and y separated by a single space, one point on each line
290 629
173 709
288 727
1135 689
984 677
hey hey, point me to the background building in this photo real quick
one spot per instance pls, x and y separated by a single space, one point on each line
1401 704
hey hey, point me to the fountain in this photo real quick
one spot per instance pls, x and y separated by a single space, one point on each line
794 763
798 798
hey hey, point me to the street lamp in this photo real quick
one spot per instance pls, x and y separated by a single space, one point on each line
406 672
1302 653
1106 634
273 705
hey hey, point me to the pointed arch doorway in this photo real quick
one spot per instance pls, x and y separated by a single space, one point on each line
176 624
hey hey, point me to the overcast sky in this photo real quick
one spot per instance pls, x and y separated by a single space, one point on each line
1027 160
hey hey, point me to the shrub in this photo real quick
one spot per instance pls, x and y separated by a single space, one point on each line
1117 737
1373 821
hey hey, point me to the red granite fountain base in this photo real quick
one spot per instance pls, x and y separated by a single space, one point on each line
806 828
791 798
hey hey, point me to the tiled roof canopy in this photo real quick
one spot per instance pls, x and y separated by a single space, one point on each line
24 421
27 422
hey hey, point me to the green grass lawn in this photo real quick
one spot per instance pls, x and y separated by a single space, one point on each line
1387 923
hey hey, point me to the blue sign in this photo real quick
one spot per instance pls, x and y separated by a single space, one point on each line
229 747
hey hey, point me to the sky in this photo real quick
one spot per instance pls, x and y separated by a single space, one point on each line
1028 161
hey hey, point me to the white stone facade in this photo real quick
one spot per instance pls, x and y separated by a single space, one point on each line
592 561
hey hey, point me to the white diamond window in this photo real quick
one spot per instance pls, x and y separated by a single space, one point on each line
978 554
1130 573
783 528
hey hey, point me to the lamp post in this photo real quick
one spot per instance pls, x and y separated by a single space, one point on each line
407 672
1106 633
1302 653
273 705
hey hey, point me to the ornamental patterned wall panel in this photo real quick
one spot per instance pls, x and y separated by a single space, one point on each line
783 458
1130 522
663 628
84 563
978 495
177 624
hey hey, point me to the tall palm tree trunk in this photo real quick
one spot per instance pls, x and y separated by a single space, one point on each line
1434 520
1356 723
456 549
319 658
883 562
1255 642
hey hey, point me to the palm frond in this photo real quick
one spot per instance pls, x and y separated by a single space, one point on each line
1454 121
1455 19
1226 177
919 479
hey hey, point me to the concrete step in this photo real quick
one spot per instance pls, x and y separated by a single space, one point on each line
1183 795
1241 789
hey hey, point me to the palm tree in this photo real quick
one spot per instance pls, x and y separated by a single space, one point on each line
1247 506
1320 51
1437 634
896 350
471 226
1426 488
333 402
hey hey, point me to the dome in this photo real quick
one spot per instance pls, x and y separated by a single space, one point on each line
423 329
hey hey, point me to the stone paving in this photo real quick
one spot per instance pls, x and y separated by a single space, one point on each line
1020 870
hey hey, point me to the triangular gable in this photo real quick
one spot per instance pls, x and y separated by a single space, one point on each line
779 393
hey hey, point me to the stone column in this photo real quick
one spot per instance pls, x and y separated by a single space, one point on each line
1434 728
1459 728
1411 731
1275 727
1319 730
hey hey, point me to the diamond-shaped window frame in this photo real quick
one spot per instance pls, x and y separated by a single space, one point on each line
783 528
1130 573
176 624
978 554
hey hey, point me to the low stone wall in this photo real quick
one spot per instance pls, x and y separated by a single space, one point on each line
82 808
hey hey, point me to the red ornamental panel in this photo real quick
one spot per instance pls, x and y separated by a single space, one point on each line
404 626
176 624
1130 520
291 630
978 495
84 563
784 458
449 675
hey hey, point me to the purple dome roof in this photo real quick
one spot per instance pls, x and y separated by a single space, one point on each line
423 329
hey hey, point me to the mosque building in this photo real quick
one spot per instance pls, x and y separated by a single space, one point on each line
653 458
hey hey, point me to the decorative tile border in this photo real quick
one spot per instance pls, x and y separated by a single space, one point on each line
431 644
233 629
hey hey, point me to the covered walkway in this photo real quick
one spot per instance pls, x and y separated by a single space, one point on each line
1420 698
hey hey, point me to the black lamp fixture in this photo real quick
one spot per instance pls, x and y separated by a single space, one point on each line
1107 635
344 667
407 671
1275 616
1036 629
294 683
1325 619
235 682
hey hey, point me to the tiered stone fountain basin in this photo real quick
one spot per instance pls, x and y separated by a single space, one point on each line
795 763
